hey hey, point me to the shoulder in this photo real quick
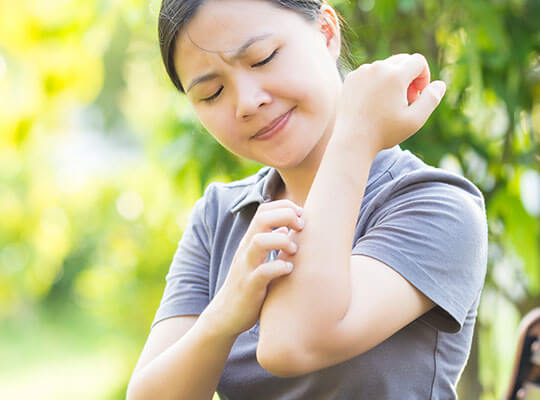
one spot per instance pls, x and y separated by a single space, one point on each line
430 225
434 200
412 176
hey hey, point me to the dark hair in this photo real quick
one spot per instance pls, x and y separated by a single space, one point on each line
175 14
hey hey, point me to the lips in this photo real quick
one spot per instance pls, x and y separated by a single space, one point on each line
272 124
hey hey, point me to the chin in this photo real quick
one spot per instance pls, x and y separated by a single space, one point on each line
290 160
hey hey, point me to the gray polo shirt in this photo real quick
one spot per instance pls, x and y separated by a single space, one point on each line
426 223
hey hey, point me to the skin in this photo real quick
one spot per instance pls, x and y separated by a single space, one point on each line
302 75
334 132
348 123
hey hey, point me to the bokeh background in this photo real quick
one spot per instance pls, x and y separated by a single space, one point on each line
101 162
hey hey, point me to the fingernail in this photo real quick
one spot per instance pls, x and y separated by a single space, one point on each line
294 247
300 210
289 265
300 222
440 87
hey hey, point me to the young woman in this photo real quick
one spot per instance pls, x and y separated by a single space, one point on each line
389 254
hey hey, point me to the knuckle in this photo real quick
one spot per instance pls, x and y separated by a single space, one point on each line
258 240
420 56
263 206
290 203
283 203
377 67
384 70
258 275
291 213
397 58
262 217
401 55
357 75
351 77
242 243
364 68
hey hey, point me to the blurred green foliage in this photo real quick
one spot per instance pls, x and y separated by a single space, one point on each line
101 160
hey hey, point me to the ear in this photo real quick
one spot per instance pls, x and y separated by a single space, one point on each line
329 27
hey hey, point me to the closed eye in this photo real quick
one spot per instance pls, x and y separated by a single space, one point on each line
266 60
209 99
263 62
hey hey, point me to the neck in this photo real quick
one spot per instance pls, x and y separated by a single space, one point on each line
298 180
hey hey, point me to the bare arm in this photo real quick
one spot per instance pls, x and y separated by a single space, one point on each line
374 115
185 356
321 280
190 368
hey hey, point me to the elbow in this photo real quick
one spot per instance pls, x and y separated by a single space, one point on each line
136 391
277 363
131 393
283 362
133 390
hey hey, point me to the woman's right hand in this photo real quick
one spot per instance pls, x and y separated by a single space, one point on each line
374 107
237 304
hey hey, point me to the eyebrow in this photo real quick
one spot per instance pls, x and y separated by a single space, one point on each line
235 56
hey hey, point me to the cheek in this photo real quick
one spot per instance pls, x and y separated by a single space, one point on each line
219 125
308 84
312 97
297 88
211 119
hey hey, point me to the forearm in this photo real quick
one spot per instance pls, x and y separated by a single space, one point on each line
189 369
316 296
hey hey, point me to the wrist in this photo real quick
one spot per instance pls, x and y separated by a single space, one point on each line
212 324
354 138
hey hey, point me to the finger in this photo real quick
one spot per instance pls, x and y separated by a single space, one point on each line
415 69
426 103
266 272
262 243
412 90
271 205
269 219
397 58
282 230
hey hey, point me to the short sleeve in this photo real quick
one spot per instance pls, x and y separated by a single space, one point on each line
434 234
186 289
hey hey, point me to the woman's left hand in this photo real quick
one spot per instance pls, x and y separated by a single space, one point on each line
374 103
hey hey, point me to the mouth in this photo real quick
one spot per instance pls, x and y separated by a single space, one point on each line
273 124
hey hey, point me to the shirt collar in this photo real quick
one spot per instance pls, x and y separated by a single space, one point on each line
269 180
261 191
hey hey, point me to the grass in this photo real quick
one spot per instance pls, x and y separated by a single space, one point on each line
62 354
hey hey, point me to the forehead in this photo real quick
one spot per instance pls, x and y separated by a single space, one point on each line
222 26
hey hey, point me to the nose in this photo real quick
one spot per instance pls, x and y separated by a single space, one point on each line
250 97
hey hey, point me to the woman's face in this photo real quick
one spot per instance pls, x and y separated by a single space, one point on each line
288 63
